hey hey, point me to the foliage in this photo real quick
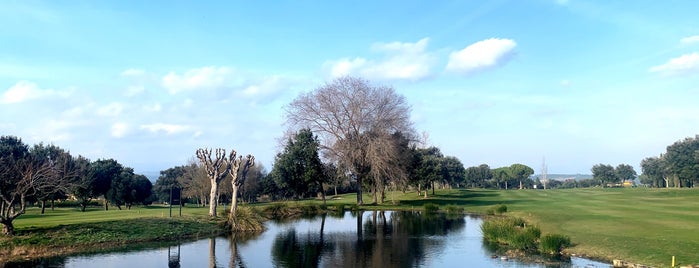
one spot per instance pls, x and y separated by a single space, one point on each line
513 232
553 244
298 168
452 209
500 209
604 174
625 172
477 176
431 208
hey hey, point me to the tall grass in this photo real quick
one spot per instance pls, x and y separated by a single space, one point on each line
553 244
511 232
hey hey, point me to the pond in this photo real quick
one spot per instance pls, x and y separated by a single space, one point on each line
350 239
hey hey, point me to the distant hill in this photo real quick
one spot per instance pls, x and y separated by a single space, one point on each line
563 177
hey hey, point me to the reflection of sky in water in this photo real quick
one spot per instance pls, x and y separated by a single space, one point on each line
462 247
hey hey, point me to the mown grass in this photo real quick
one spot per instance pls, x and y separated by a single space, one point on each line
639 225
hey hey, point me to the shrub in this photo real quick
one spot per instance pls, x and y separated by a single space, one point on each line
452 209
247 220
431 208
553 244
490 211
500 209
512 232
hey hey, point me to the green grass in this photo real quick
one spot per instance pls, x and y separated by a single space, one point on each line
639 225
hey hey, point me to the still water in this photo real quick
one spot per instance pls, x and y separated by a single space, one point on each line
350 239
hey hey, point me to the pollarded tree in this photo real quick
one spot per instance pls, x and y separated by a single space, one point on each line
342 113
238 177
216 169
604 174
625 172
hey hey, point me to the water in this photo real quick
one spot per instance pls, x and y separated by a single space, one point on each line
361 239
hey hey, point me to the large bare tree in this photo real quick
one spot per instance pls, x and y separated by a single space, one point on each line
355 121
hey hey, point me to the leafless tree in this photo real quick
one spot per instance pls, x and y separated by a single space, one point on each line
353 119
195 183
237 180
216 170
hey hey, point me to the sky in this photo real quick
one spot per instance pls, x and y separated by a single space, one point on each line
572 83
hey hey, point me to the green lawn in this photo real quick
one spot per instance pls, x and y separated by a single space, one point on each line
640 225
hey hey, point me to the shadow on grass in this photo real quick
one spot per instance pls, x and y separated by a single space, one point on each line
462 197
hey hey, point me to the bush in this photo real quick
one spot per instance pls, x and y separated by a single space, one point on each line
431 208
553 244
500 209
490 211
512 232
247 220
452 209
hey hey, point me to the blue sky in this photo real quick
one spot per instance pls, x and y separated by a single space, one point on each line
495 82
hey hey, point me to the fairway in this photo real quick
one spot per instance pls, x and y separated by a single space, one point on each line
639 225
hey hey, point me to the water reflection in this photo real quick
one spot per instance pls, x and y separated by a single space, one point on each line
351 239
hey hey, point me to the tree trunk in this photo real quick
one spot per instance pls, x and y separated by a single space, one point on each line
52 204
212 199
43 206
82 207
8 228
234 207
359 193
432 187
212 252
322 193
106 204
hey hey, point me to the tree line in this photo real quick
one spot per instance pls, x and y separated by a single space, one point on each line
47 173
677 167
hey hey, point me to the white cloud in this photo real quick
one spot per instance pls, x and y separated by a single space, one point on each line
481 55
199 78
403 61
690 40
167 128
119 130
685 64
153 108
112 109
25 90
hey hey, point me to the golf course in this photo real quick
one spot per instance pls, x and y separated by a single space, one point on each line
638 225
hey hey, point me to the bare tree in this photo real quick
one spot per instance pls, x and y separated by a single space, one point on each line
216 170
237 181
353 119
21 174
195 183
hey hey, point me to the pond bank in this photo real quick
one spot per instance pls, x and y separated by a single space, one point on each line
30 243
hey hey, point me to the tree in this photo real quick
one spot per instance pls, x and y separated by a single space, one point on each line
429 168
453 171
353 119
216 169
168 180
21 174
59 180
654 171
102 173
682 159
604 174
501 175
238 177
194 182
477 176
625 172
520 173
81 186
298 167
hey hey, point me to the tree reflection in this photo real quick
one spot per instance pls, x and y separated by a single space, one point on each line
382 239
